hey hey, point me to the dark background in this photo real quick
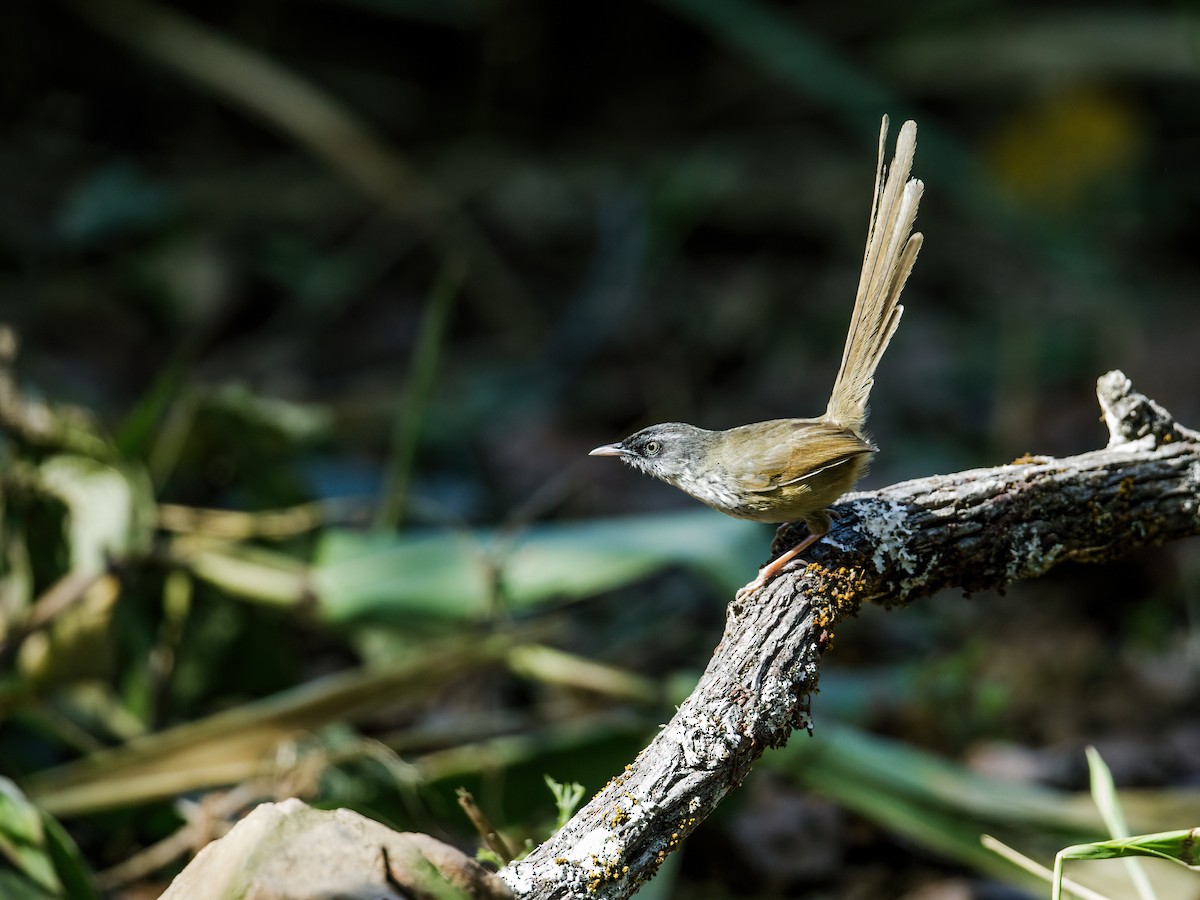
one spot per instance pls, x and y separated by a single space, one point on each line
644 211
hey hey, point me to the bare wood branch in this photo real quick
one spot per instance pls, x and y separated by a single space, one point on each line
972 530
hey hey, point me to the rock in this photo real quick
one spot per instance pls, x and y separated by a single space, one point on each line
289 851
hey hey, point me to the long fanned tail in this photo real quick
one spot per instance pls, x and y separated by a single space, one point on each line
888 260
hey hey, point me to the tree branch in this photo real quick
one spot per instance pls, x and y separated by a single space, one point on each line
978 529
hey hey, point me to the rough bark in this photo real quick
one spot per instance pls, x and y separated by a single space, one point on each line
978 529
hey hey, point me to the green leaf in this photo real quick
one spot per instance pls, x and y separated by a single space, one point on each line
68 862
22 840
16 885
566 799
19 819
459 575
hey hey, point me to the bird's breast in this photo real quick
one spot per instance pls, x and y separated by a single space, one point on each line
713 488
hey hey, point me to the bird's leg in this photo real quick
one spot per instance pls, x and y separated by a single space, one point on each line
818 526
773 568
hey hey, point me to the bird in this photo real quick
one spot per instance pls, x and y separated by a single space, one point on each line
792 470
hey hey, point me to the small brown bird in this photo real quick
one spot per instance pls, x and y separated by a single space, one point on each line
790 470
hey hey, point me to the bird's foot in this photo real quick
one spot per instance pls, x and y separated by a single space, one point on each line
774 567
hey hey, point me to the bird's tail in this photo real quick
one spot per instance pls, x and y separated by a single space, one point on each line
891 251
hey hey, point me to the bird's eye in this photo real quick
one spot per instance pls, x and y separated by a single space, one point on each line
653 448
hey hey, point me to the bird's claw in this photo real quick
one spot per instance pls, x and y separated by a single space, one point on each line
774 567
745 591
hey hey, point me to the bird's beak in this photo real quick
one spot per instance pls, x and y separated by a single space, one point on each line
610 450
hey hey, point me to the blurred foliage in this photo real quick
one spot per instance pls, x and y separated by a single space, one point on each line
312 310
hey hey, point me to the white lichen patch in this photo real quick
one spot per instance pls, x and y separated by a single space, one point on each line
628 811
703 740
1029 557
886 524
1112 421
991 487
776 692
519 877
596 858
1191 505
830 541
597 846
693 805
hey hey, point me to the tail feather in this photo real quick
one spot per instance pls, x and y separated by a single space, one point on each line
887 262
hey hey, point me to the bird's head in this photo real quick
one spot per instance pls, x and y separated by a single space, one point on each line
672 451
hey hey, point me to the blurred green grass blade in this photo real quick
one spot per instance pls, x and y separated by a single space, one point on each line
31 861
406 432
1104 794
14 884
947 808
1174 846
1085 44
359 576
294 421
246 571
19 818
1037 869
931 801
895 768
240 743
1181 847
68 862
22 840
549 665
140 429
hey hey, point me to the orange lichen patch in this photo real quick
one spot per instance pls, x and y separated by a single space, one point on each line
602 873
841 587
1025 459
621 816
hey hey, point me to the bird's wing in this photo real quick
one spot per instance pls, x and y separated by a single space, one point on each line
794 450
